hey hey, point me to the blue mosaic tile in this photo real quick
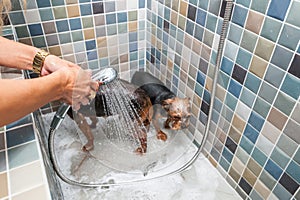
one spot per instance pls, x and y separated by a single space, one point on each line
31 5
280 158
214 6
247 97
223 79
227 154
64 38
271 29
291 86
203 4
281 57
261 107
22 154
142 4
190 26
289 37
92 55
260 5
35 29
215 154
199 31
201 78
23 121
109 7
273 169
201 17
77 36
293 15
278 8
267 92
239 15
16 18
62 25
281 192
85 9
251 133
246 144
252 82
293 169
43 3
224 164
57 2
243 58
259 156
111 19
211 22
227 65
231 101
75 24
46 14
206 96
256 121
39 42
235 88
19 136
274 75
231 50
245 3
284 103
227 113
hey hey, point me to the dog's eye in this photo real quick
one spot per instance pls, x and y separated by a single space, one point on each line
176 118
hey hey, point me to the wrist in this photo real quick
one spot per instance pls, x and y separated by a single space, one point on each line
38 61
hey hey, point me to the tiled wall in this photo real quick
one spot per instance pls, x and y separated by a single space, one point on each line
254 135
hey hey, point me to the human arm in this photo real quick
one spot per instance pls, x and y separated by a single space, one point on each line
21 97
20 56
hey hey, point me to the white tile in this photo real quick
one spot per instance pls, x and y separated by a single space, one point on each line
26 177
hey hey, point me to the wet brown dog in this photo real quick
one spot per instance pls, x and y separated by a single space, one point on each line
140 102
177 109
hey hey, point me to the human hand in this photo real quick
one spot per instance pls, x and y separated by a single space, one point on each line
53 63
79 87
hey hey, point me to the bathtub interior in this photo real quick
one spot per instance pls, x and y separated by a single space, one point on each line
114 161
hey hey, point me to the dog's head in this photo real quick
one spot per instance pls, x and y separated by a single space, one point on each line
179 112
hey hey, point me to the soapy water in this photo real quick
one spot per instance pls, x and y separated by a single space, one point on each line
115 142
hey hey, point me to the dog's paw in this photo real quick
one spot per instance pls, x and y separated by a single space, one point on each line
161 136
140 151
87 147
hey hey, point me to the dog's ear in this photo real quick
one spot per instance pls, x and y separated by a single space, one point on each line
166 104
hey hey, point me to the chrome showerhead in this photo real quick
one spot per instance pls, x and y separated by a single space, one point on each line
105 75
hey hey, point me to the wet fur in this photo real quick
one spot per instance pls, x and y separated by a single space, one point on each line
141 100
164 102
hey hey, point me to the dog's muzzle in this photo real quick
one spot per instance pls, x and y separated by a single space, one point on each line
179 123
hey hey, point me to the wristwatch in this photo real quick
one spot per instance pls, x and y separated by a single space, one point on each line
38 61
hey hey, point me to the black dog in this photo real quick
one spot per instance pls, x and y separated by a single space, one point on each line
177 109
97 108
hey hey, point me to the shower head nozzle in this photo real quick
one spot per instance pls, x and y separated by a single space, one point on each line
105 75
